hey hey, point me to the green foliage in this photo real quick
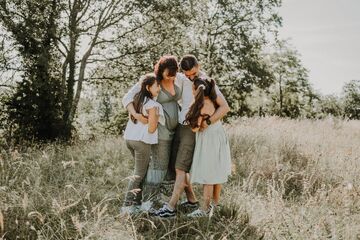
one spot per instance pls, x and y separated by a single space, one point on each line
69 49
229 38
330 105
5 126
35 110
35 107
291 93
351 93
228 43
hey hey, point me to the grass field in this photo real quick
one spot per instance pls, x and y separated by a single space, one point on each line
292 179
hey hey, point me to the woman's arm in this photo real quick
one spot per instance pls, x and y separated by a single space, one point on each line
129 96
127 102
137 116
153 119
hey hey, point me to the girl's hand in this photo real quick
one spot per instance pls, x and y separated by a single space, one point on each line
195 129
204 125
153 119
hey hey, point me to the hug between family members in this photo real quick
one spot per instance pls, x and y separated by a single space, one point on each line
176 138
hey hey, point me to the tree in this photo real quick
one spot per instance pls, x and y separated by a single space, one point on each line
330 105
291 92
35 106
351 92
123 39
100 26
74 37
229 37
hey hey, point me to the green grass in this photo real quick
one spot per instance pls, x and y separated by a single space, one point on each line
291 180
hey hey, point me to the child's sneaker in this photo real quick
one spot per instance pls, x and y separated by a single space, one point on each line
198 213
201 213
165 212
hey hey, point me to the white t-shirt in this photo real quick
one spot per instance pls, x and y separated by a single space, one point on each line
139 131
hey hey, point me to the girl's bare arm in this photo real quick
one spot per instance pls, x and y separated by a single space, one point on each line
153 119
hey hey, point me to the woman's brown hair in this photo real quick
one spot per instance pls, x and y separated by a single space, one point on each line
203 88
166 62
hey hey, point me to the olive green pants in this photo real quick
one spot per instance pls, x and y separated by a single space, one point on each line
141 154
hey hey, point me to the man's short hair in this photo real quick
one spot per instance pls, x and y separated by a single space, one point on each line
187 62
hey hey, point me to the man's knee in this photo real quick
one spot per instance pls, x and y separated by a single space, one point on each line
180 172
180 178
180 175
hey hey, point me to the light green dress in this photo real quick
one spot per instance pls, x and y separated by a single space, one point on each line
160 153
212 160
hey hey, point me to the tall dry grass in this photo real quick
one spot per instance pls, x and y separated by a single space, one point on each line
291 180
298 179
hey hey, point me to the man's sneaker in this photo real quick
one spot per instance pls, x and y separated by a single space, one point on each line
165 212
130 210
189 205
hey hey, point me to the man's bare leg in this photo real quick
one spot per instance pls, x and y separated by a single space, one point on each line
190 195
180 183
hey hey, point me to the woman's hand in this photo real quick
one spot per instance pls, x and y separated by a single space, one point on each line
141 118
138 116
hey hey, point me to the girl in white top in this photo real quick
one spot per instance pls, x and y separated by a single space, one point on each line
139 138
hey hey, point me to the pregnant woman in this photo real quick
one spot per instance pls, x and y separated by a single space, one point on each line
171 89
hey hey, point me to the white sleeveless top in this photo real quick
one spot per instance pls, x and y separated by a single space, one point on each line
139 131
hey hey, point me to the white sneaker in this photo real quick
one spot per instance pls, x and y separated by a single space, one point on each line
201 213
198 213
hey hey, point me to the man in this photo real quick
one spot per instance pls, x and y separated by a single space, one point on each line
184 139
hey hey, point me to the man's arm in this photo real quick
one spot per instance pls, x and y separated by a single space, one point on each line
221 111
127 102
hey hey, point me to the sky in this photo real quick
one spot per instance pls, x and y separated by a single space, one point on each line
326 33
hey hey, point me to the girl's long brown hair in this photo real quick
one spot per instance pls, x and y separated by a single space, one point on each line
147 80
200 93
